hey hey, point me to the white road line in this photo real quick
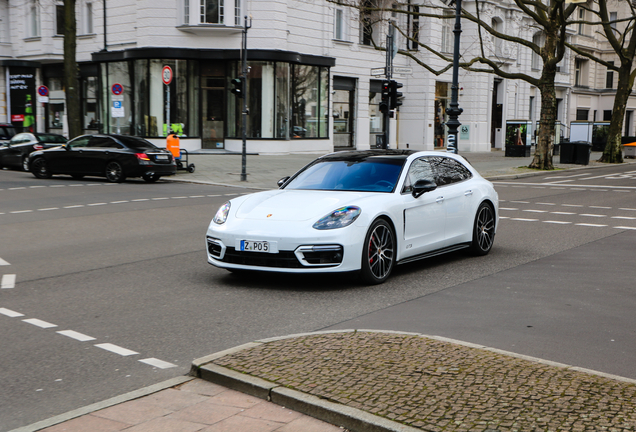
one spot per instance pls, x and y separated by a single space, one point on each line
119 202
624 217
564 177
50 208
625 227
158 363
535 211
571 186
232 194
627 209
35 187
96 204
508 208
197 196
8 281
163 198
557 222
546 204
538 187
75 335
140 199
559 188
560 181
524 220
503 217
57 186
116 349
10 313
17 188
179 197
3 262
593 215
75 185
74 206
214 195
590 225
601 207
21 211
563 213
621 191
571 205
520 202
39 323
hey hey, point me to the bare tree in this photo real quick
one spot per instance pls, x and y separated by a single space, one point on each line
71 70
623 42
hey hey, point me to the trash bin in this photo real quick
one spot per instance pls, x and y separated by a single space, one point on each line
582 152
575 152
567 152
630 150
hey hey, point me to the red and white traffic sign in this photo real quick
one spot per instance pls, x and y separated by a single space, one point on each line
117 89
43 91
166 75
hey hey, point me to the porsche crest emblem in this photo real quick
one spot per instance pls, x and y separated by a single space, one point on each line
269 215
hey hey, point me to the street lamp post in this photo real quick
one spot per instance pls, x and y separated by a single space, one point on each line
244 86
454 110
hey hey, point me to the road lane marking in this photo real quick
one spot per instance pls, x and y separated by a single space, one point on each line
158 363
96 204
17 188
546 204
524 220
601 207
625 227
140 199
163 198
565 177
508 208
593 215
21 211
571 205
74 206
179 197
563 213
116 349
8 281
75 335
119 202
590 225
520 202
50 208
624 217
39 323
10 313
571 186
627 209
557 222
3 262
536 211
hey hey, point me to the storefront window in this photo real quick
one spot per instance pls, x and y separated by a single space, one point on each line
282 100
90 112
118 109
324 103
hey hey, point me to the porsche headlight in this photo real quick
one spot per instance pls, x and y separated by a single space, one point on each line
221 215
338 218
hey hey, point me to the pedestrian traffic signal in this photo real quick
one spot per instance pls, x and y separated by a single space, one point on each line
395 95
386 97
238 89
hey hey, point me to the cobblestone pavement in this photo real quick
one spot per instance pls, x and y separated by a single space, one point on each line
437 385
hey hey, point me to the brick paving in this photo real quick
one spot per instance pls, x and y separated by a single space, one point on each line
441 386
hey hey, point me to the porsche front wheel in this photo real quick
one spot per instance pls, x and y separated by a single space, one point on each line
378 253
483 230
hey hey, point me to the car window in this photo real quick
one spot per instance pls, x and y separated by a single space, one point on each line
420 169
80 142
449 171
20 138
104 142
136 143
51 138
6 132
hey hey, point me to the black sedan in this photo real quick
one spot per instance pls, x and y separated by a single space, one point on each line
15 152
112 156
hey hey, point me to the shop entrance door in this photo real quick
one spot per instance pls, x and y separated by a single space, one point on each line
213 94
343 112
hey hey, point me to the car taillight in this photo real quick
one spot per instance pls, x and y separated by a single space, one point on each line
37 147
142 156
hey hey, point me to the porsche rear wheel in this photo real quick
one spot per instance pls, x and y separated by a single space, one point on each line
483 230
378 254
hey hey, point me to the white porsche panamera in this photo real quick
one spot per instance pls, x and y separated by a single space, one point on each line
364 211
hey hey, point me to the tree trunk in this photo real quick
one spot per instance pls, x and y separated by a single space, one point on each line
71 71
613 152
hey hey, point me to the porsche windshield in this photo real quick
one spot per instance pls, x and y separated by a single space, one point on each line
368 175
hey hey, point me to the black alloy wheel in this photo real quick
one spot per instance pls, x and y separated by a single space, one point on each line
115 172
151 178
40 169
378 254
483 230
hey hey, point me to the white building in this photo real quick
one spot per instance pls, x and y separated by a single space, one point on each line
309 86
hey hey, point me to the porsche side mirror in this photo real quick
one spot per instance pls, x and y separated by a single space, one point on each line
422 186
282 181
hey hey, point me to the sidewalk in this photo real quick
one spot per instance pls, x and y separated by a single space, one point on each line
263 171
363 381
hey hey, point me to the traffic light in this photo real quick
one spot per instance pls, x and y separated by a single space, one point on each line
395 95
386 97
239 88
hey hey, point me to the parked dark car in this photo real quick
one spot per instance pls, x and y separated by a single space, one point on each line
112 156
15 152
6 132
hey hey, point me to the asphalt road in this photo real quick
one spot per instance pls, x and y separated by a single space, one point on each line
125 264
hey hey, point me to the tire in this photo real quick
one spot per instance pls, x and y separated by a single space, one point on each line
40 169
151 178
25 164
191 168
77 176
115 172
483 230
378 253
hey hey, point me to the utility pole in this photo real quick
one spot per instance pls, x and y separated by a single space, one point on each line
454 111
244 116
389 73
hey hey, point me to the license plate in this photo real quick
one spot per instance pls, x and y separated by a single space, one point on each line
161 157
254 246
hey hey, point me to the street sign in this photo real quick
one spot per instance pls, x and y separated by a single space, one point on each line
403 70
166 75
117 110
43 94
378 71
117 89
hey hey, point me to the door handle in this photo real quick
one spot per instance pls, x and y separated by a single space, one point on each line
468 193
439 199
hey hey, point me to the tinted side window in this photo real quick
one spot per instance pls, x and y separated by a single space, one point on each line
420 169
80 142
449 171
104 142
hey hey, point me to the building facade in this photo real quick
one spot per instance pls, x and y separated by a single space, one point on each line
310 83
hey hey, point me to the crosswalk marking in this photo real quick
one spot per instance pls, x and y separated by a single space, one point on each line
158 363
39 323
8 281
75 335
10 313
3 262
116 349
